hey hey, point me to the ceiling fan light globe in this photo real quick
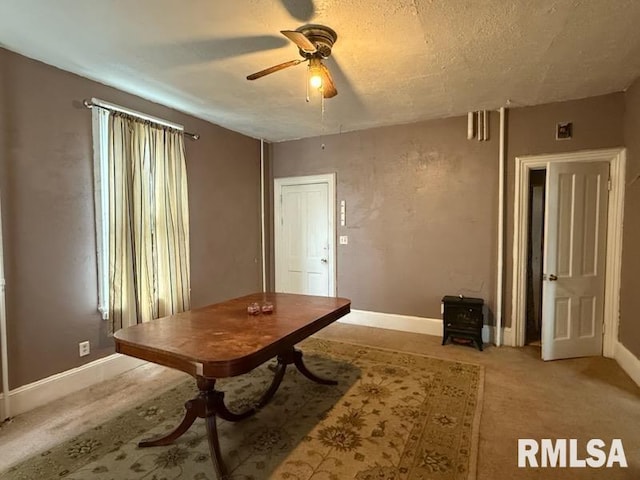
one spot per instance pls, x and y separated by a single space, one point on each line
315 81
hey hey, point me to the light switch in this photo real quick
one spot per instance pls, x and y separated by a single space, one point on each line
343 213
344 240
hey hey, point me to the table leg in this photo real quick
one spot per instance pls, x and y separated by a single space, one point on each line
295 356
209 404
286 358
224 413
273 388
206 406
214 445
189 417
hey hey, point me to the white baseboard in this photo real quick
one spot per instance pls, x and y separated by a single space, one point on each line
403 323
406 323
628 362
508 337
489 335
48 389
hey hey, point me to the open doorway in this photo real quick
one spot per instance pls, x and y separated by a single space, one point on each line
578 192
535 260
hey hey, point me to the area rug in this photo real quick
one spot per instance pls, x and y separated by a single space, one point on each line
393 416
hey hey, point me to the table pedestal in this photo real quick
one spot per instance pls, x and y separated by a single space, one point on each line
209 404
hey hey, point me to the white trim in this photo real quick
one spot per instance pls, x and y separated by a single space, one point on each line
628 362
507 336
135 113
100 126
489 335
411 324
403 323
614 253
48 389
263 225
330 180
500 267
617 160
4 355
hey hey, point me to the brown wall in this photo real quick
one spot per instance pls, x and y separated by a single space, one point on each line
597 123
421 208
421 211
629 333
422 200
46 182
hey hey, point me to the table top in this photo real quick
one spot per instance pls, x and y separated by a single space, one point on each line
223 340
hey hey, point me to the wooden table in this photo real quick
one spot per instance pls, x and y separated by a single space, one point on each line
223 340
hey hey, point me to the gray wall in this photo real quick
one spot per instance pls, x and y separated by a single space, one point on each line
46 182
630 290
421 211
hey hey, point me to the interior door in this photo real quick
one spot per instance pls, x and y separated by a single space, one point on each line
303 253
574 259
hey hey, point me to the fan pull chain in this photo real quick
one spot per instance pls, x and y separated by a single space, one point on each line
322 102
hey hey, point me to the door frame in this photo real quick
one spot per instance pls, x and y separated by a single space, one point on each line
278 183
523 166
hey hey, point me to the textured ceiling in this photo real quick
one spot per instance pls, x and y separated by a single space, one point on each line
394 62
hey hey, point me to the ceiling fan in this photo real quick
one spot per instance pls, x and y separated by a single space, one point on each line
314 43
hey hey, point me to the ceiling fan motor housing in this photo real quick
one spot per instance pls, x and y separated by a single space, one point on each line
321 36
314 44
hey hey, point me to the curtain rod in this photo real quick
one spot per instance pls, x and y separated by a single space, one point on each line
115 108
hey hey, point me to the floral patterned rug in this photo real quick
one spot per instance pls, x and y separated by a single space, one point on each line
393 416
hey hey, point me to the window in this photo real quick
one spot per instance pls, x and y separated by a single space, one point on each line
142 219
101 198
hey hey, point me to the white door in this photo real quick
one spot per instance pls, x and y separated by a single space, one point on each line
304 235
574 260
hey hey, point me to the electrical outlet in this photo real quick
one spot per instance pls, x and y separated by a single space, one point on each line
84 348
344 240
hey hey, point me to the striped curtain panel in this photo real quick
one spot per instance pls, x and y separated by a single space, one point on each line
149 271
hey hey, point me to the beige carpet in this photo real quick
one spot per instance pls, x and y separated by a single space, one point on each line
524 397
393 416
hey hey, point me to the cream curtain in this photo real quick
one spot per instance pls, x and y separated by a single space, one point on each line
148 221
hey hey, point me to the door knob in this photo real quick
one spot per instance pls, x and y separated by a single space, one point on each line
323 260
552 278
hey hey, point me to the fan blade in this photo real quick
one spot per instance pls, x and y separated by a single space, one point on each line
300 40
273 69
328 87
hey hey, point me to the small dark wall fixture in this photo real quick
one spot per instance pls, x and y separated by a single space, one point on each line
564 130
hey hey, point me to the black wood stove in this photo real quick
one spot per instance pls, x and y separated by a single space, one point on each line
462 318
